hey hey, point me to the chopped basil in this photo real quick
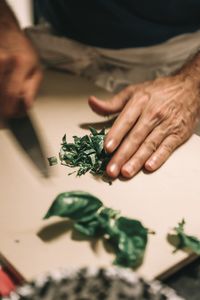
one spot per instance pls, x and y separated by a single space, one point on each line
53 160
85 153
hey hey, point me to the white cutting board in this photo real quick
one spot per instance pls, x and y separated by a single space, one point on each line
33 246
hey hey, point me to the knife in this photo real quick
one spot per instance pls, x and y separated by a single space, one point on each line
23 130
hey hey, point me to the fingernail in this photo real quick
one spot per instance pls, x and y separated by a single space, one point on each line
151 162
128 170
113 170
109 145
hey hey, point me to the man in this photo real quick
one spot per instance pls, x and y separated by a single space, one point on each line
156 116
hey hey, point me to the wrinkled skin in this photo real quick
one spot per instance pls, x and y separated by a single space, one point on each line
154 118
20 73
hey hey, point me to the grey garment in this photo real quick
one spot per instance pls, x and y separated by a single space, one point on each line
113 69
93 284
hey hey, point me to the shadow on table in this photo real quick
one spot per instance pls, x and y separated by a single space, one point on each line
53 231
99 125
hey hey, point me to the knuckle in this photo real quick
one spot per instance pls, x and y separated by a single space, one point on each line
129 89
168 148
136 137
178 139
128 122
151 145
141 96
156 114
179 128
22 59
3 58
19 59
164 111
145 125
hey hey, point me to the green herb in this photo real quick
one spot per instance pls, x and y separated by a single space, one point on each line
53 160
181 240
75 205
127 237
85 153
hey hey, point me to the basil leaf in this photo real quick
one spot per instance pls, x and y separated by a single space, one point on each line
129 238
93 131
180 240
74 205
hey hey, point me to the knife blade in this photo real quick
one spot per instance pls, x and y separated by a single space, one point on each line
23 130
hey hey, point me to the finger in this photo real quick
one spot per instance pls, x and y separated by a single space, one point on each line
138 145
148 147
12 85
163 152
125 121
113 105
3 64
31 88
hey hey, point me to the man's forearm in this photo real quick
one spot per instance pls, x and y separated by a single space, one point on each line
8 20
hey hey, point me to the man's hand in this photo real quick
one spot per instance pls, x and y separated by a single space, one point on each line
154 119
20 73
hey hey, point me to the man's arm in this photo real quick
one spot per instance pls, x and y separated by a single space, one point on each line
154 119
20 73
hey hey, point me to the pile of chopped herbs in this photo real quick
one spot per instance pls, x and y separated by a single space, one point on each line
180 240
127 237
85 153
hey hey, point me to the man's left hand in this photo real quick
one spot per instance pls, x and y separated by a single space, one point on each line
154 118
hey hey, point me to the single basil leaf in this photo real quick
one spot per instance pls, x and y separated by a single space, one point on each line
130 252
98 143
52 161
102 132
180 240
74 205
93 159
64 141
129 239
93 131
89 151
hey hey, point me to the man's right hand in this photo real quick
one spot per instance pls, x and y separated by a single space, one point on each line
20 73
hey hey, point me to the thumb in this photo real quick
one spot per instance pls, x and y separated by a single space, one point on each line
112 106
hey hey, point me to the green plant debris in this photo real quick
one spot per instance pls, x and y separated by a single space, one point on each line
52 161
86 153
180 240
92 219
